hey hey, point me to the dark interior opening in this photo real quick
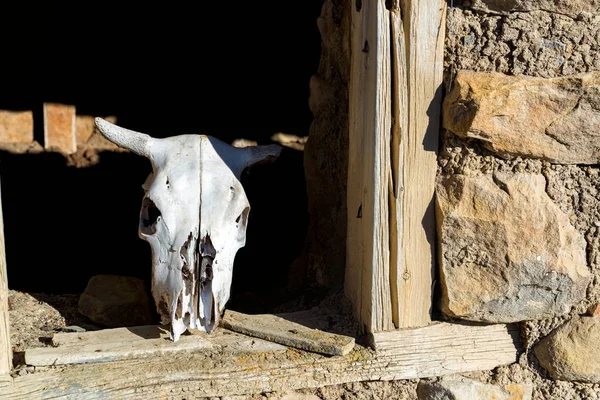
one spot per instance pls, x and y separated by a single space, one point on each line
227 70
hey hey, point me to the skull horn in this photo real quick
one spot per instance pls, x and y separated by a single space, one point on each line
137 142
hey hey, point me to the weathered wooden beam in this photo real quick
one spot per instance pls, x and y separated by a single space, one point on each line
395 102
289 333
367 281
417 59
435 350
447 339
59 128
142 341
5 347
111 345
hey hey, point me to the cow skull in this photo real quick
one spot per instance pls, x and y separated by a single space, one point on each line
194 215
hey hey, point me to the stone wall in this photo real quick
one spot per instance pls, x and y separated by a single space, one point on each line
518 191
518 188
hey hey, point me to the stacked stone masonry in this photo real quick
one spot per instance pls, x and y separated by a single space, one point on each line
518 190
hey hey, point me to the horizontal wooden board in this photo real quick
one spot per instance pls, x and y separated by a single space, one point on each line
283 331
449 346
130 334
228 370
135 342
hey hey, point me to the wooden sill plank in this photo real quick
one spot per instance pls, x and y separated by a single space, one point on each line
279 330
127 343
130 334
142 341
113 351
236 370
444 338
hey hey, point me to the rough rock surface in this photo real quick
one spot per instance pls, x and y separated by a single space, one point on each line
326 155
116 301
572 351
539 44
507 252
536 43
571 8
526 372
554 119
460 388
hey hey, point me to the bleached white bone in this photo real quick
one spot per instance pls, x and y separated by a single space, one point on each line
194 215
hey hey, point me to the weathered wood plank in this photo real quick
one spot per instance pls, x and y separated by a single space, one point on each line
418 58
279 330
395 93
59 128
398 158
234 371
128 334
5 347
102 352
445 338
367 273
134 342
16 126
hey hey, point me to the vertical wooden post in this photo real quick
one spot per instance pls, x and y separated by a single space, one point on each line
5 347
367 281
417 60
395 102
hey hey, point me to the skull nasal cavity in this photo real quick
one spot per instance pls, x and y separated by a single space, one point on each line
150 215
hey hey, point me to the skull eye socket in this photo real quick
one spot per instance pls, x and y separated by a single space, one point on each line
149 217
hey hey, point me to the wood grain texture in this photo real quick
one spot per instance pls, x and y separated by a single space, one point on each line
133 342
418 58
5 347
398 155
279 330
367 281
435 350
111 350
395 105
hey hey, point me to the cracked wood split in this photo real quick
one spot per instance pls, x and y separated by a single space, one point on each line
395 93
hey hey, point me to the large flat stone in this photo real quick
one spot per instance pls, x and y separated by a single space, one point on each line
572 351
507 252
555 119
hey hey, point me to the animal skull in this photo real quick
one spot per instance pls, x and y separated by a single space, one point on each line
194 215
